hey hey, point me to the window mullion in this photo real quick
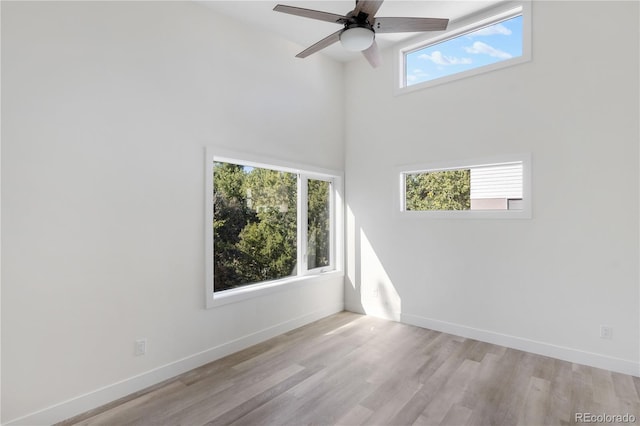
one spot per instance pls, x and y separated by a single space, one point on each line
302 225
332 225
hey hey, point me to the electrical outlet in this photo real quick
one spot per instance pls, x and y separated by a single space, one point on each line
606 332
140 347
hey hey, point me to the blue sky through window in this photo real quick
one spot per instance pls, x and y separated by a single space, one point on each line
485 46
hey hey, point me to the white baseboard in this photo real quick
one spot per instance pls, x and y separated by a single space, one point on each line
102 396
560 352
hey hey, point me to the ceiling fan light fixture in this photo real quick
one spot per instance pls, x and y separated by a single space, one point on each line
357 39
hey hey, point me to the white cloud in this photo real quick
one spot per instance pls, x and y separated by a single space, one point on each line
439 59
484 49
497 29
416 74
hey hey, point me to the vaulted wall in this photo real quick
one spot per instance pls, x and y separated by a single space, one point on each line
106 110
546 284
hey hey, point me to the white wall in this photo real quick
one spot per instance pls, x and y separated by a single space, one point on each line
545 284
106 110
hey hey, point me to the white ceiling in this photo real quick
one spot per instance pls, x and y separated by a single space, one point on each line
305 32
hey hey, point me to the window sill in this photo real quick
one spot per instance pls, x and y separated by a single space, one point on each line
462 75
240 294
468 214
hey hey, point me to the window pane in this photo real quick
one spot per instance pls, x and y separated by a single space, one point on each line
254 223
484 46
319 219
438 190
483 187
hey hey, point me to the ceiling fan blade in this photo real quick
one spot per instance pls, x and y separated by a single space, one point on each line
409 25
327 41
369 7
373 55
313 14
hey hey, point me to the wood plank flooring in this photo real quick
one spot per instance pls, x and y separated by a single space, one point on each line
350 369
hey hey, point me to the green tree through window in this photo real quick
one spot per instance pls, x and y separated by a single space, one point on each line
438 190
318 224
255 224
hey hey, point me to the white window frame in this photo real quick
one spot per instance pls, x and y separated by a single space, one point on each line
303 219
456 29
400 196
303 275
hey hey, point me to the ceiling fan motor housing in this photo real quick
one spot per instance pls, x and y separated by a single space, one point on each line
357 38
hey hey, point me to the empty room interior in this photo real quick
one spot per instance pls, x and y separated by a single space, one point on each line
199 227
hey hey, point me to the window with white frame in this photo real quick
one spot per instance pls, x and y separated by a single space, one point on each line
267 224
486 42
495 188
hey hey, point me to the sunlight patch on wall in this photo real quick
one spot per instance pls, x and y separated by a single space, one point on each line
378 295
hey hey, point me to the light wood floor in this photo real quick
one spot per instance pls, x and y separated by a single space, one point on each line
351 369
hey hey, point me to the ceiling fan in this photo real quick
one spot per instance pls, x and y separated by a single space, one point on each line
360 27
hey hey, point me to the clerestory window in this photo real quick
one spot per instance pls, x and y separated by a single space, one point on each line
486 42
